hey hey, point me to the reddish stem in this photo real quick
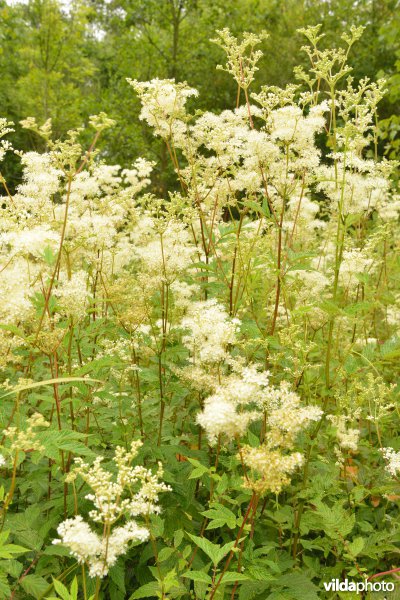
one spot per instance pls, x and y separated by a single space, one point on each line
383 573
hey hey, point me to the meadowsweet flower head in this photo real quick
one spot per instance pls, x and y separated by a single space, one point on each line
347 437
133 491
5 146
392 459
138 177
270 469
271 464
73 295
167 254
235 403
211 330
78 536
27 439
163 105
286 416
99 553
242 57
223 417
31 240
354 263
15 291
41 180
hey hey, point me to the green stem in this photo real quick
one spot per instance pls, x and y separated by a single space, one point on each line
97 590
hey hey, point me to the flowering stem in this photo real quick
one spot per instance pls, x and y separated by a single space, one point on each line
340 237
235 251
24 574
215 468
164 319
252 519
384 573
162 401
11 491
84 582
241 460
299 513
86 159
58 261
138 393
278 279
253 500
155 552
97 590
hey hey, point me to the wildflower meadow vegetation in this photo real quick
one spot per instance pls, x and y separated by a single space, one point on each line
199 393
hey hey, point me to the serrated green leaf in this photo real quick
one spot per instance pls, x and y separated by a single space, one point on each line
8 550
165 554
356 546
198 472
117 575
34 585
74 589
61 590
5 591
213 551
148 590
70 441
335 520
301 585
252 589
231 577
198 576
178 537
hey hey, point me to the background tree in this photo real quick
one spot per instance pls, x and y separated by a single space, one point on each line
66 62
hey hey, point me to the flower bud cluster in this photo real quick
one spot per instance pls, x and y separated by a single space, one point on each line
26 439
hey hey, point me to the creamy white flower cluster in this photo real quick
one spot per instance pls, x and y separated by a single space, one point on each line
243 396
301 214
73 295
5 145
347 437
99 553
33 202
91 208
15 290
211 330
165 254
235 403
108 494
270 150
354 262
286 416
26 439
271 469
246 396
30 240
392 459
134 491
163 103
273 462
280 156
